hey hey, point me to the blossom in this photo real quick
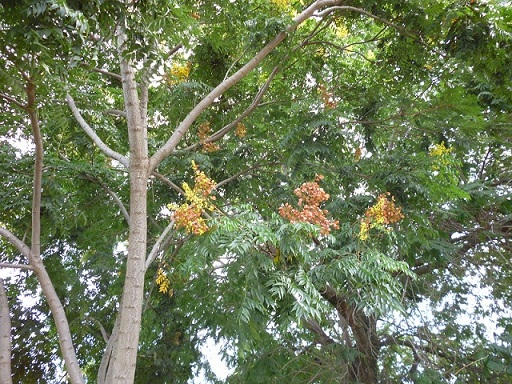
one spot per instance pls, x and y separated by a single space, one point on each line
199 199
383 213
310 195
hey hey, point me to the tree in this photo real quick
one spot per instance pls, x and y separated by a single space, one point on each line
384 101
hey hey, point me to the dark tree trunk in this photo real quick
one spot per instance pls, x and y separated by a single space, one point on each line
364 369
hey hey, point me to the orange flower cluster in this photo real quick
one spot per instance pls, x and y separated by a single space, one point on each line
327 97
203 133
310 195
241 130
199 199
380 215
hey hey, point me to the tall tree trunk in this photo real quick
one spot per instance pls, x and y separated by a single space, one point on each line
5 338
56 308
124 356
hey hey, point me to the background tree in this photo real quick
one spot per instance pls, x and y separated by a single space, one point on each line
386 119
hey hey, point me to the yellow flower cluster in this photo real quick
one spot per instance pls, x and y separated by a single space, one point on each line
440 150
178 73
341 30
163 282
441 155
199 199
380 215
281 4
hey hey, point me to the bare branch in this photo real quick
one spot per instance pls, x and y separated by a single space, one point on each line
174 50
118 202
113 195
94 137
22 248
38 169
115 112
159 244
255 103
165 180
17 266
13 101
240 173
219 134
56 308
399 28
102 71
427 348
107 354
322 337
103 331
144 99
170 145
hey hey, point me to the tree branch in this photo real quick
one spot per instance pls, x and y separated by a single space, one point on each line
22 248
17 266
115 112
107 354
103 331
170 145
238 174
102 71
56 308
13 101
429 348
400 29
94 137
165 180
113 195
163 238
255 103
322 337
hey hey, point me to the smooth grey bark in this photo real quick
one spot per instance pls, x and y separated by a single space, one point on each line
5 338
121 369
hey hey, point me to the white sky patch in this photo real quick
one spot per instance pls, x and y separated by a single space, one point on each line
212 352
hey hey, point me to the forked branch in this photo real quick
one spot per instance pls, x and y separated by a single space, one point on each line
208 100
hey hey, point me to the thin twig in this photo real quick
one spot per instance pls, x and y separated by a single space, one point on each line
102 71
399 28
165 180
159 244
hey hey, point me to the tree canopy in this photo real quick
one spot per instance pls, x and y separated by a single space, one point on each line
323 188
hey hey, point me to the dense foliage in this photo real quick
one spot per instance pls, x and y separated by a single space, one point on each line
339 214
